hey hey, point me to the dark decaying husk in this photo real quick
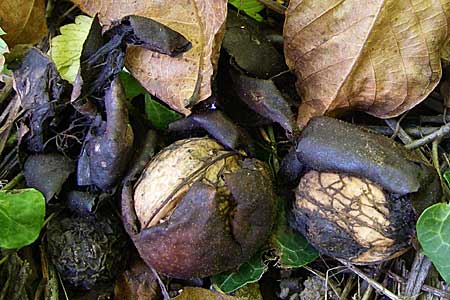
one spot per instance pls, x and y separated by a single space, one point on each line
87 251
355 199
212 229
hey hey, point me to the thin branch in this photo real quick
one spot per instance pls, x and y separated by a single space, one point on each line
438 134
161 284
395 126
377 286
426 288
419 272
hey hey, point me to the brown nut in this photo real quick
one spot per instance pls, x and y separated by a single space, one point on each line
356 195
353 218
198 209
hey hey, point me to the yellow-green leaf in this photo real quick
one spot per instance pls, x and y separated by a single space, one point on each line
66 48
3 49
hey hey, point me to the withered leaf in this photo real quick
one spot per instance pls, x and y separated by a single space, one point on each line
47 172
42 93
23 21
378 56
180 81
193 293
109 144
247 44
137 283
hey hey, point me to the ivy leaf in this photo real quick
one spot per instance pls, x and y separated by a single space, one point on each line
433 233
248 272
3 49
159 116
22 215
66 48
293 249
249 7
131 86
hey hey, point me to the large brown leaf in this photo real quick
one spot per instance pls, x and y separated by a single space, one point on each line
179 81
23 21
379 56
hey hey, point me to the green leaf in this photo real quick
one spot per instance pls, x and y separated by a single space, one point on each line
433 233
293 249
3 49
131 86
248 272
22 215
66 48
159 116
249 7
447 177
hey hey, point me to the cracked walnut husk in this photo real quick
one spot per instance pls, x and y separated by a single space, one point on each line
198 209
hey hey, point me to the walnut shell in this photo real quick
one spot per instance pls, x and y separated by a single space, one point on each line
198 209
352 218
355 199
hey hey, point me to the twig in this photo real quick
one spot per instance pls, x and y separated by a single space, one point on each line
329 281
13 182
403 136
377 286
411 131
2 261
438 134
275 6
426 288
419 272
161 284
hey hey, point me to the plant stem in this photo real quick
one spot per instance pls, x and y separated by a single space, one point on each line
275 6
10 185
2 261
438 134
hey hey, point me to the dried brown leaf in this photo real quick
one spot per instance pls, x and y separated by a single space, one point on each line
194 293
179 81
23 21
378 56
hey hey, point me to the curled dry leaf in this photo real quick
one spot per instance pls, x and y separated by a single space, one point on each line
378 56
179 81
23 21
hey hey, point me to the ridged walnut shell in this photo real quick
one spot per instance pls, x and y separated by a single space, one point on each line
198 209
355 197
353 218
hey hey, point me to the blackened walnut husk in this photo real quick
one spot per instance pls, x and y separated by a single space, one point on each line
87 250
355 198
198 209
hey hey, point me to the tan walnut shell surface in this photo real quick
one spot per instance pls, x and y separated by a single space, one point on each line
359 192
198 209
340 208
